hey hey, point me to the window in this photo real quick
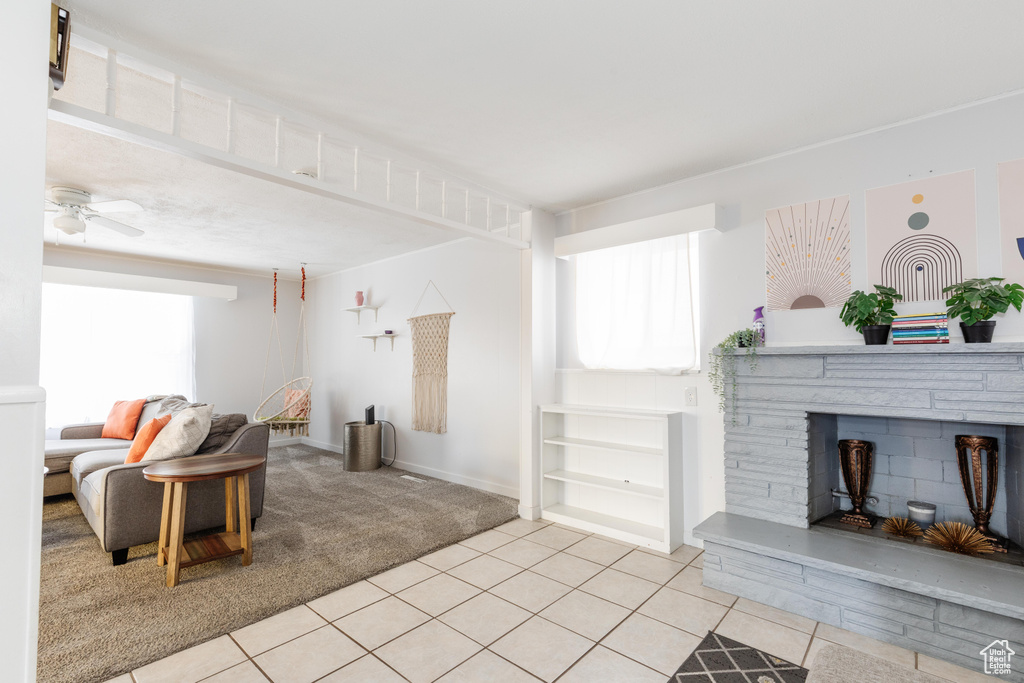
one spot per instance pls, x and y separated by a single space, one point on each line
636 305
104 345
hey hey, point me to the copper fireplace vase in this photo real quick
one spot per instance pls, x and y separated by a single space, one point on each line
979 488
855 458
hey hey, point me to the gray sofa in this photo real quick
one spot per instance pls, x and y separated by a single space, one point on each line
124 508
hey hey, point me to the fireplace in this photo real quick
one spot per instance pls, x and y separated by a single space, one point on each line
774 543
914 460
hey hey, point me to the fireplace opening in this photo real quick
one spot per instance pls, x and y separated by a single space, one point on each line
916 460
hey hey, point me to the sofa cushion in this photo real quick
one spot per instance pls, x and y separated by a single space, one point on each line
153 409
175 404
144 439
60 452
221 429
87 463
183 434
123 419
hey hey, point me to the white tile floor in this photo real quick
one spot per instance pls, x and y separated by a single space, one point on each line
526 601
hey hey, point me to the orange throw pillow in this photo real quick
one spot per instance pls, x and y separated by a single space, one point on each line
145 438
123 419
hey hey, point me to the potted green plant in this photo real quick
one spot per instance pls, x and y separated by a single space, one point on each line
977 301
871 314
722 364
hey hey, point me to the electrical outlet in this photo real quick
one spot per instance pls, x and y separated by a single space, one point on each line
690 396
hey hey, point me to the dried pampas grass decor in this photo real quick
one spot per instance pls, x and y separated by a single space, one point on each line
902 527
958 538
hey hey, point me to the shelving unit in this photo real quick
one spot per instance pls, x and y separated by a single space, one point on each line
622 487
359 309
375 337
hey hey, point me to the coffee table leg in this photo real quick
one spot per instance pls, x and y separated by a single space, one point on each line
165 526
177 534
230 504
244 523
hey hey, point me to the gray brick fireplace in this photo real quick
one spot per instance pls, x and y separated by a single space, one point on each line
781 465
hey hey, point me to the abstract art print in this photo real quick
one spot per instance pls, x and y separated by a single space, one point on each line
807 255
1011 218
922 235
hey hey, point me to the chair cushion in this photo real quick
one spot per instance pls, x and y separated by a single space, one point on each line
123 419
87 463
183 434
60 452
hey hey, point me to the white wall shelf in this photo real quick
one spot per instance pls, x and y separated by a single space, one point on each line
628 487
375 337
603 445
609 525
605 483
359 309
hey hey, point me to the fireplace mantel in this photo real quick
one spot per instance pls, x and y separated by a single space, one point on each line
889 349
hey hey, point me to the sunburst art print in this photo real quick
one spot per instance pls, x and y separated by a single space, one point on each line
807 255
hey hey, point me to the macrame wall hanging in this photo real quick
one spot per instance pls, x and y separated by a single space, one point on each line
430 367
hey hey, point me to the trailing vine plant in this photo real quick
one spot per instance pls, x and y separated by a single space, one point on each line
722 364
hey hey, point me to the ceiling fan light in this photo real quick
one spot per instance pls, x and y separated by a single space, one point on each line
69 223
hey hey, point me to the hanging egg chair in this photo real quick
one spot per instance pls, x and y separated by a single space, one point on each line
286 410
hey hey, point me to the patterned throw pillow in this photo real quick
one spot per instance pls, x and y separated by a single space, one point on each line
301 407
182 435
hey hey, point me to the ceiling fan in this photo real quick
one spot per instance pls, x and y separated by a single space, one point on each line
75 209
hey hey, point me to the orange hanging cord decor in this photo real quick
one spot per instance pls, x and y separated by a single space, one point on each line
287 409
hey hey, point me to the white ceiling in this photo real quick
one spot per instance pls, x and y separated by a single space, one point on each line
202 214
561 104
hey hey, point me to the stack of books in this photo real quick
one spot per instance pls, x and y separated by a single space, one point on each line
927 328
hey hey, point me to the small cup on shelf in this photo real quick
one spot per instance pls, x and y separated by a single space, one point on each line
921 512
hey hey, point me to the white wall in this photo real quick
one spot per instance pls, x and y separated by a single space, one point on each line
732 261
481 282
24 34
230 336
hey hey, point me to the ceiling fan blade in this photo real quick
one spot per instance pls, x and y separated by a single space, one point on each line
50 205
115 206
113 225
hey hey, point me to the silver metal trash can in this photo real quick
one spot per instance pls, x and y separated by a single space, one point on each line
362 446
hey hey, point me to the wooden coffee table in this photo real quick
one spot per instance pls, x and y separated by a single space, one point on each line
234 469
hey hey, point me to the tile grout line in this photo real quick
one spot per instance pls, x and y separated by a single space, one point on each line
810 642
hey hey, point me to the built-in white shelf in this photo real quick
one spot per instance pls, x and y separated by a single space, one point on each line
610 525
375 337
359 309
605 483
592 484
607 411
603 445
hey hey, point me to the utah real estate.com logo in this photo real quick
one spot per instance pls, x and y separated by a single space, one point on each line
997 658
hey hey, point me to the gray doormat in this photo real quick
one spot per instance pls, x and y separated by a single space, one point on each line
720 660
322 528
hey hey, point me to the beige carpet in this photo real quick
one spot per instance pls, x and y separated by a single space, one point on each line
322 529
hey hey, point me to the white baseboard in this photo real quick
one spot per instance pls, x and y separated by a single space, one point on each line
286 441
459 479
529 512
501 489
322 444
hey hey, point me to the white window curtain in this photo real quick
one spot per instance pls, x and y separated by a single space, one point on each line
105 345
637 305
